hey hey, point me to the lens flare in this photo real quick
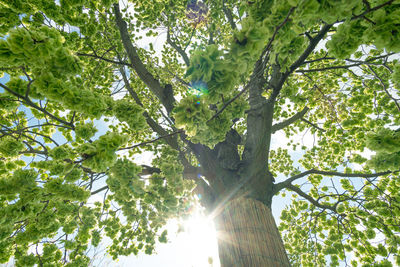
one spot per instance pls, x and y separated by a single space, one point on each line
198 88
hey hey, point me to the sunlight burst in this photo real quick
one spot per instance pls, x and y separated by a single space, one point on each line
198 240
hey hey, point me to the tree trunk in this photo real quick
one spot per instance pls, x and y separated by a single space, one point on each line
248 236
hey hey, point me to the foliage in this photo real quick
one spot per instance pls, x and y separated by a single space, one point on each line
83 95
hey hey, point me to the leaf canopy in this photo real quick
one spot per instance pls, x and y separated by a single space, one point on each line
87 88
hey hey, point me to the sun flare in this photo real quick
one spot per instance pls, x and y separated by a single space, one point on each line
198 240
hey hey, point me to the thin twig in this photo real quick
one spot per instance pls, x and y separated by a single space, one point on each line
151 141
276 31
104 59
312 124
288 181
177 48
230 101
30 103
309 198
384 87
285 123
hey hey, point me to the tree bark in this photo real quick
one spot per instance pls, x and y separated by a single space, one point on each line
248 236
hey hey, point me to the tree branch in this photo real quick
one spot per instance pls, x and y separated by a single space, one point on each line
99 190
288 181
228 15
384 87
104 59
318 59
152 123
280 78
329 68
309 198
295 117
170 138
147 170
33 151
312 124
164 94
33 105
229 102
269 44
369 9
355 64
178 48
311 46
151 141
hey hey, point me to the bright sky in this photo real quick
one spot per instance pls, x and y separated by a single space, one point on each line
192 247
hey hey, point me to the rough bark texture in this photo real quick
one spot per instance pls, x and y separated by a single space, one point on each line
248 236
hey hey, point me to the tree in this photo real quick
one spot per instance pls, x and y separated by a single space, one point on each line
230 75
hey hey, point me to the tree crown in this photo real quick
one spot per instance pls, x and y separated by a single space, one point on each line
229 76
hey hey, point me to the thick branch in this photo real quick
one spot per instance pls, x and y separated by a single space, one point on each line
164 94
278 78
295 117
288 181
